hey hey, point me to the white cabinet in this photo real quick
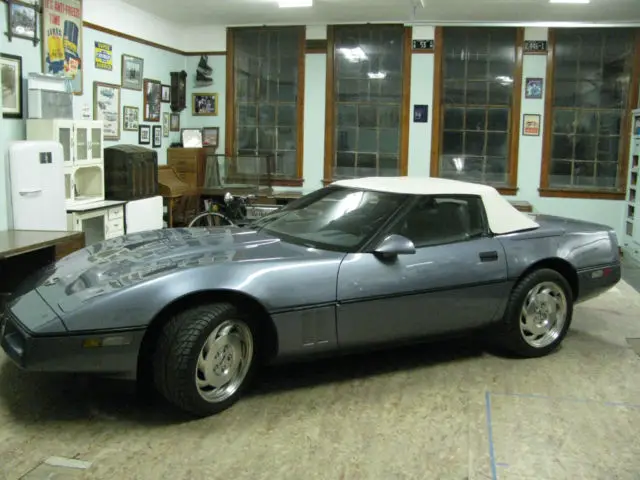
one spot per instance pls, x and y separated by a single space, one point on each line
631 229
98 220
82 140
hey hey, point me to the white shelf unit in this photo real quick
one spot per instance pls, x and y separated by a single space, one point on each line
82 144
631 230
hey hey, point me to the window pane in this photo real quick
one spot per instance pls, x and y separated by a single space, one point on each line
266 88
368 92
454 118
591 87
498 119
475 119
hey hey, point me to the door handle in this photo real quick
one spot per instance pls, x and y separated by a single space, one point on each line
488 256
28 192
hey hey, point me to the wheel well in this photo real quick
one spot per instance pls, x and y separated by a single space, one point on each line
247 304
561 266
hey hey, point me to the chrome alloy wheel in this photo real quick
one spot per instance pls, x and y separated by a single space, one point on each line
224 361
543 315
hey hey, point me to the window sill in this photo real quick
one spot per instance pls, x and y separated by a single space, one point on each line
581 193
263 181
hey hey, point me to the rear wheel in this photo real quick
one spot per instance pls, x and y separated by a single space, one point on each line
204 358
538 314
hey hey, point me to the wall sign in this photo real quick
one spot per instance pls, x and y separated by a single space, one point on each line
531 125
533 88
535 46
104 56
62 40
420 113
423 45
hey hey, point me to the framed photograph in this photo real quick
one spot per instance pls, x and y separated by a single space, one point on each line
132 72
191 137
205 104
157 136
175 122
62 44
166 93
166 121
23 20
144 134
130 118
152 100
531 125
210 136
533 88
11 70
106 107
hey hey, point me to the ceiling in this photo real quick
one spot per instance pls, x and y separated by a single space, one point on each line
266 12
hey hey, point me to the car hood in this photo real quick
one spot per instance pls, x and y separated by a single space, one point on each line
134 258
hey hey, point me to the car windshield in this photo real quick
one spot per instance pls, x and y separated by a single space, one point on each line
333 218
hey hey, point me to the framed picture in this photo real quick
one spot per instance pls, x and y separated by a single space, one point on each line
132 72
531 125
62 44
11 71
23 20
166 121
175 122
210 136
166 93
191 137
152 100
144 134
157 136
106 107
533 88
130 118
205 104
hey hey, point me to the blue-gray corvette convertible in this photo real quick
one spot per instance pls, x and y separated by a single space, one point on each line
359 264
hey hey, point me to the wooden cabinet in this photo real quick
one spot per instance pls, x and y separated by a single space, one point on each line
189 164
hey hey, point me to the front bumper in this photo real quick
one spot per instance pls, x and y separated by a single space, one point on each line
105 352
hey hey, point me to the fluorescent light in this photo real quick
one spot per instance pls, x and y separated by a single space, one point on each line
377 75
569 1
295 3
354 55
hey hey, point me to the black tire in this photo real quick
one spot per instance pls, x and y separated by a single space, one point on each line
176 357
511 338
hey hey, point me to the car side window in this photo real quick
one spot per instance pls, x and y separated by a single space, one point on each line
436 220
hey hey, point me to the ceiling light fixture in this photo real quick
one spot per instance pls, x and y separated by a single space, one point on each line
569 1
295 3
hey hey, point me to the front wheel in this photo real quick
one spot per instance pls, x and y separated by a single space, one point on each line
204 358
538 314
210 219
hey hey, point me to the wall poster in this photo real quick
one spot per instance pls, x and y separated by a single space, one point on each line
104 56
62 40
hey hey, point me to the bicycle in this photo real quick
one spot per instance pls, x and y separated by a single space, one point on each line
234 210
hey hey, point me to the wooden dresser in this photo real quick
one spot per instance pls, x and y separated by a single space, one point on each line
189 164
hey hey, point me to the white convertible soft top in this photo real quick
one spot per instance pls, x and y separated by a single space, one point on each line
502 216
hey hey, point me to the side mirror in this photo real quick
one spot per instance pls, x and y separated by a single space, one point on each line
395 245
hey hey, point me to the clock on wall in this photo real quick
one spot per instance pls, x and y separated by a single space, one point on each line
178 91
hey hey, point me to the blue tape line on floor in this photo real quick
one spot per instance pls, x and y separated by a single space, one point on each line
492 457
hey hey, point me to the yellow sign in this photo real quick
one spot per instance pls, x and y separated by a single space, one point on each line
104 56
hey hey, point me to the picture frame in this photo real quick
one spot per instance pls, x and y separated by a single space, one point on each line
157 136
210 136
106 107
204 104
22 20
144 134
533 88
531 124
166 93
175 122
62 41
11 74
166 123
132 72
152 100
130 118
191 137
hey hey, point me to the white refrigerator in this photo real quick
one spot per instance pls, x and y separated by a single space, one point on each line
36 178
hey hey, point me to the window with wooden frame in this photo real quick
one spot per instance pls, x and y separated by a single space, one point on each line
477 89
265 103
367 109
592 85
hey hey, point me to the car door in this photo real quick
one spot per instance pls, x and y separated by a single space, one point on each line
454 280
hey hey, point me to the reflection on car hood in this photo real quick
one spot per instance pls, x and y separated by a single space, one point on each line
130 259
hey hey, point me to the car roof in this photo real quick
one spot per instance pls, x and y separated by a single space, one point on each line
501 215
